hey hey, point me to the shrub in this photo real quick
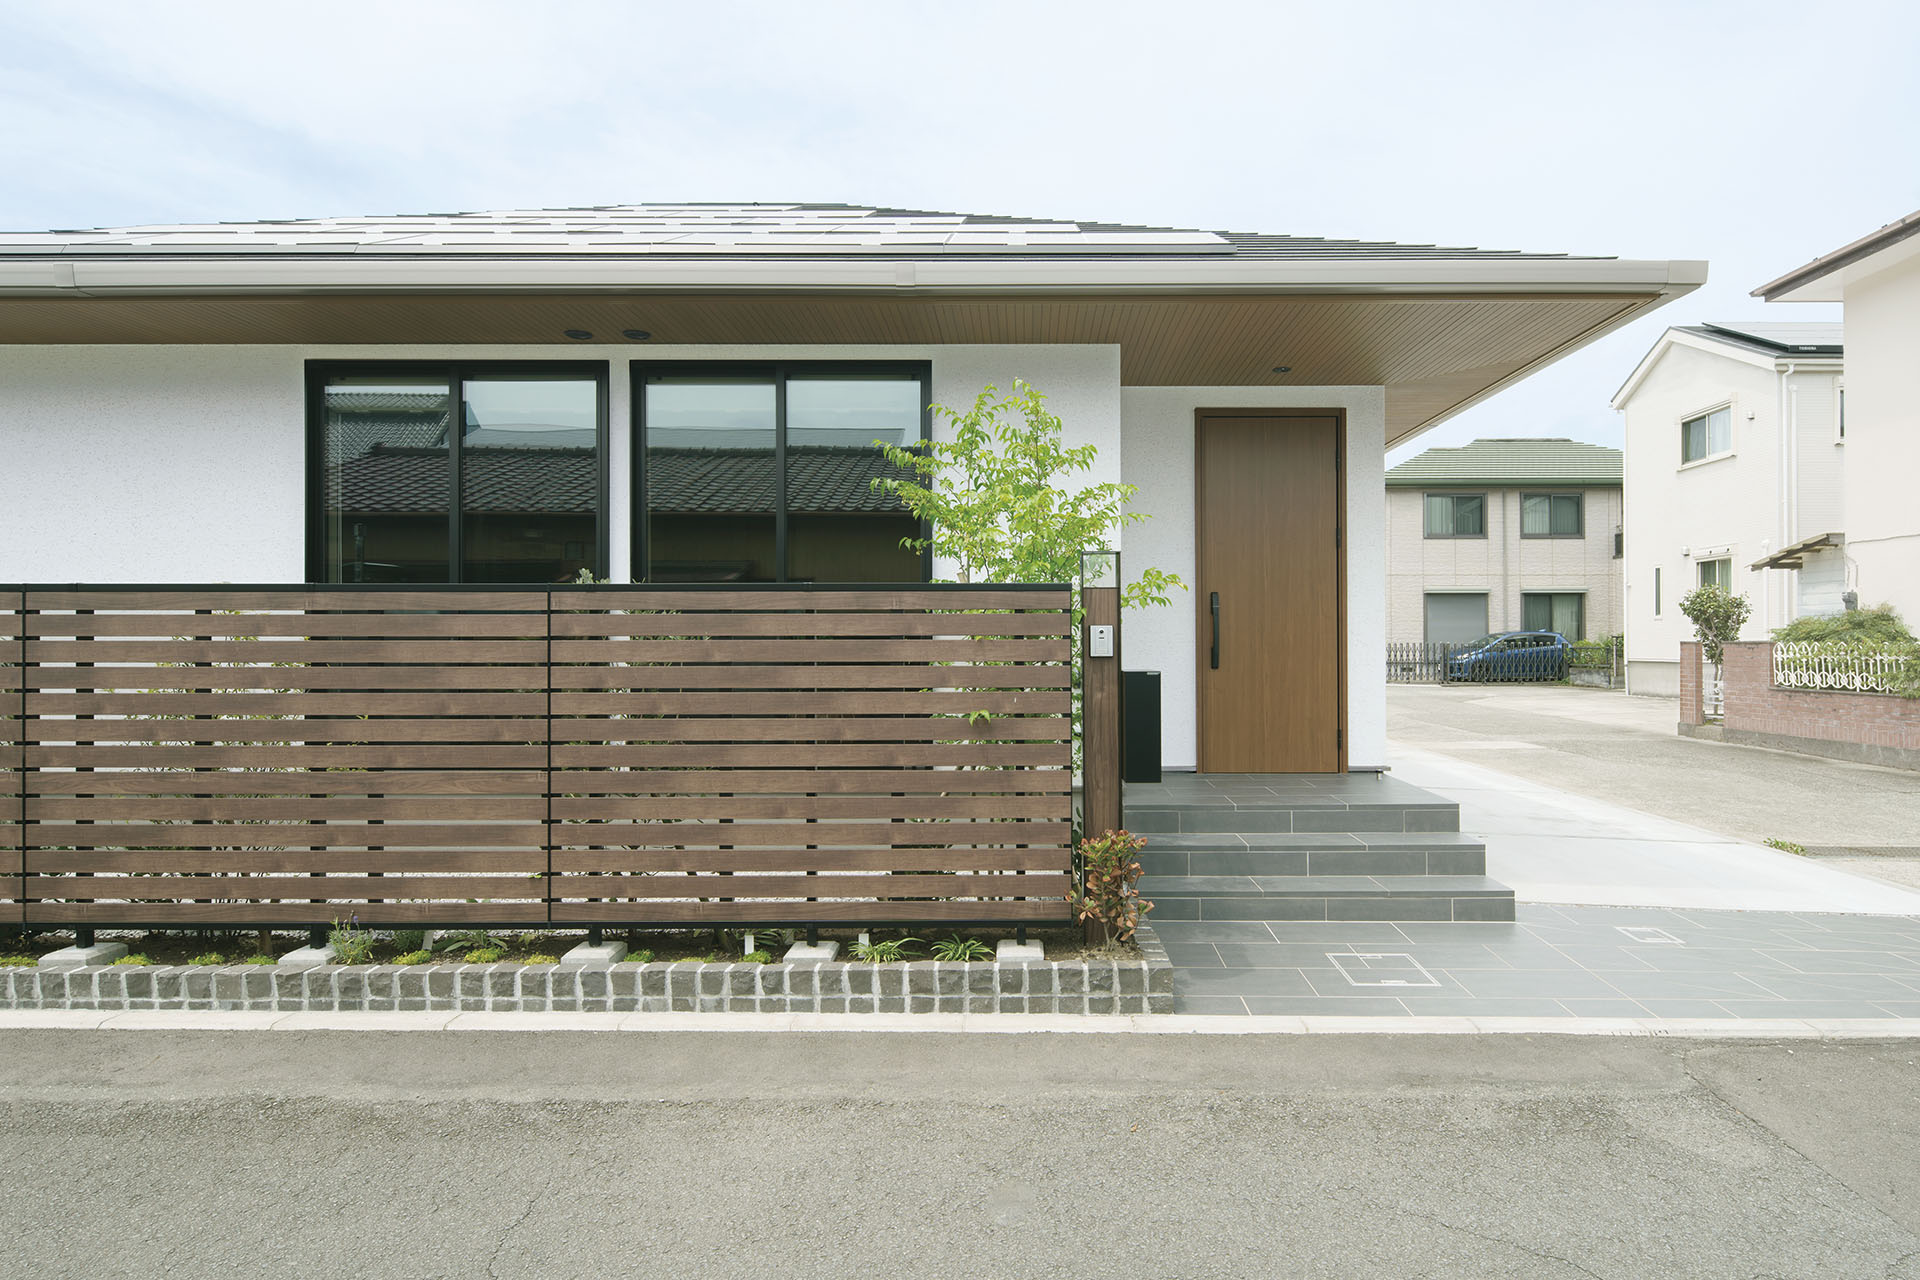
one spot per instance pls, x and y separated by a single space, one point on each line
351 943
757 957
961 947
409 940
1717 616
414 957
485 955
1879 625
132 957
542 957
27 962
208 957
642 956
891 951
1109 892
260 960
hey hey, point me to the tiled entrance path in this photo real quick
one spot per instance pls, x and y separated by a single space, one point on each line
1554 961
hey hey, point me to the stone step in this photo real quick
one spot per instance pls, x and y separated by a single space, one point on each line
1155 817
1341 897
1443 853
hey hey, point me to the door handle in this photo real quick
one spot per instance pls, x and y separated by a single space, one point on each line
1213 606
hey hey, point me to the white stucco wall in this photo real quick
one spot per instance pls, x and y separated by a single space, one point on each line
1733 507
1883 436
1503 564
1157 433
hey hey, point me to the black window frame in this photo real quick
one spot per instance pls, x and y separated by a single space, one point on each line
455 371
640 371
1579 497
1427 495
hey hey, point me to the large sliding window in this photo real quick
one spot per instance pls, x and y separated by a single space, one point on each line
764 473
521 447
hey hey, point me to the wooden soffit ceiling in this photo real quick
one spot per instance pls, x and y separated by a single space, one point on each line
1431 352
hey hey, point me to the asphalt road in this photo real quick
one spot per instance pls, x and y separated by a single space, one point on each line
183 1154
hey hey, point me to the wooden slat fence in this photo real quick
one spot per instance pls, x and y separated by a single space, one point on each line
581 756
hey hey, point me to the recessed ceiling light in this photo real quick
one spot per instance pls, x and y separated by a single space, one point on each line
1283 368
580 335
635 335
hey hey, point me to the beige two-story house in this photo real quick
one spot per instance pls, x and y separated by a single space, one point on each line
1504 535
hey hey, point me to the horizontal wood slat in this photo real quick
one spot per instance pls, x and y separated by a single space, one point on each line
526 756
852 885
963 676
298 888
818 625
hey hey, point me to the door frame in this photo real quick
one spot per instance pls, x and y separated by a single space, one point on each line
1201 619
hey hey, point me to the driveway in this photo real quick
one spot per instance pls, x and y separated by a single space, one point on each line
1468 740
468 1154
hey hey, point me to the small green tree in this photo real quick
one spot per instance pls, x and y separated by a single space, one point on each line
998 498
1717 616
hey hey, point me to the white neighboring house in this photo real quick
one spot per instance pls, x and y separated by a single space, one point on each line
1504 535
1877 278
1733 476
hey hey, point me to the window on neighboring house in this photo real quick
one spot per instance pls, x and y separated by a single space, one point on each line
764 473
1717 573
1706 436
1562 611
1550 515
1656 592
456 472
1456 515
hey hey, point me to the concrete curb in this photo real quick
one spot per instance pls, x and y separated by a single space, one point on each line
958 1023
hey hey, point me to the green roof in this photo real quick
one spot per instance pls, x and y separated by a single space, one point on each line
1508 462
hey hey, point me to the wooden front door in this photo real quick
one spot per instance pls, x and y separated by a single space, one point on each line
1272 612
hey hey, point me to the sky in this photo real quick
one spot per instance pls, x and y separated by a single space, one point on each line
1754 135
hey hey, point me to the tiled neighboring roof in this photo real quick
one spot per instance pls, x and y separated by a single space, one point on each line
1506 462
412 481
1781 339
708 230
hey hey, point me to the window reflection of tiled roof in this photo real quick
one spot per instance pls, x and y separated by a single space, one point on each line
741 481
400 481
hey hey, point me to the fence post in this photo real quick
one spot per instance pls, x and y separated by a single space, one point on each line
1100 693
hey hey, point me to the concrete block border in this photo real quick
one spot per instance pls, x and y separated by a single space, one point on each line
1099 987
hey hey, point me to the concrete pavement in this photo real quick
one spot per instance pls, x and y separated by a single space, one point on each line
1586 796
373 1154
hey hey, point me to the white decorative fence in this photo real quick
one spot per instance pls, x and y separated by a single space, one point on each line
1852 668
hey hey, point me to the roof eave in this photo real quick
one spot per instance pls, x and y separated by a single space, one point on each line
71 276
1821 280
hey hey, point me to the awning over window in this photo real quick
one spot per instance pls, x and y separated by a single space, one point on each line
1794 556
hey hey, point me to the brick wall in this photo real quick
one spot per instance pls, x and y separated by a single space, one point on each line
1692 696
1875 728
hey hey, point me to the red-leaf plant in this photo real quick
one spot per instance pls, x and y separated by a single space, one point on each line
1109 892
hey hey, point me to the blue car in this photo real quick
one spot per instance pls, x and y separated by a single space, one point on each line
1511 655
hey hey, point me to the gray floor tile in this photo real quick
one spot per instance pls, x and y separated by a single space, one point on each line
1712 960
1606 1008
1192 955
1661 1008
1551 984
1212 931
1901 1008
1241 982
1335 984
1852 986
1216 1005
1685 986
1287 1006
1479 931
1277 955
1457 1006
1813 962
1357 932
1462 956
1607 959
1804 1009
